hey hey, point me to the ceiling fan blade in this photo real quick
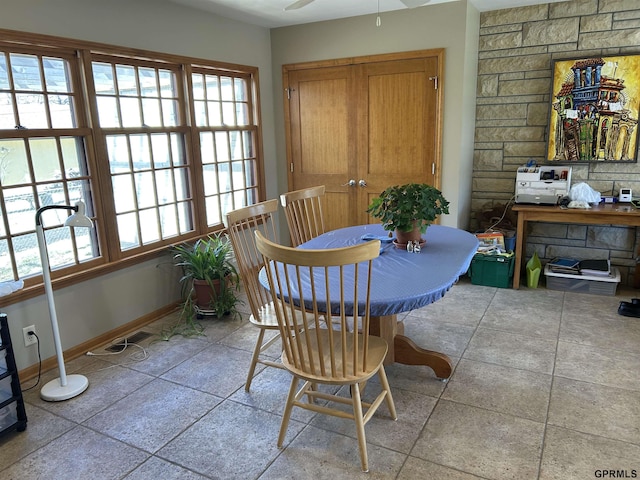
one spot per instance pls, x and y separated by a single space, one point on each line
414 3
298 4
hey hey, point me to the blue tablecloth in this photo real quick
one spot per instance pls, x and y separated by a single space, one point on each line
403 281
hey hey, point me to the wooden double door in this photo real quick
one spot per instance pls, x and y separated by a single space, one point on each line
362 124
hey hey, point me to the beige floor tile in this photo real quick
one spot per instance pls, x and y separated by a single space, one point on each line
438 335
512 350
484 443
571 455
42 428
416 468
600 410
532 312
231 441
79 453
464 304
148 410
604 366
217 369
610 330
162 470
502 389
324 455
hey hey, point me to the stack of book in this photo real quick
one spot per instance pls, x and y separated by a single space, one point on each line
600 268
569 266
491 242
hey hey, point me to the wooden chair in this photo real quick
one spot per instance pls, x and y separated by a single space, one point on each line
303 209
241 226
319 355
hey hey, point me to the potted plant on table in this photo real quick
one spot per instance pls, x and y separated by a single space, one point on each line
408 210
210 281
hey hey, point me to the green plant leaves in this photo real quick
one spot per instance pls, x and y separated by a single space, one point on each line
402 207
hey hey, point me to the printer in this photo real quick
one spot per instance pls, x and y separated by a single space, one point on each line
544 185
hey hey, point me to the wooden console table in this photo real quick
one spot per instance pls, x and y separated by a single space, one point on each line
602 214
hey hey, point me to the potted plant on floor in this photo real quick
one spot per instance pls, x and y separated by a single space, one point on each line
408 210
210 281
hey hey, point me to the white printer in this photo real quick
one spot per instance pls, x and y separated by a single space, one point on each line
542 185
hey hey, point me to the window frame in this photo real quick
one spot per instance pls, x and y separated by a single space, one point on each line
112 257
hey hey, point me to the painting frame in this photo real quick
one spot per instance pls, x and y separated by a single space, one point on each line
594 110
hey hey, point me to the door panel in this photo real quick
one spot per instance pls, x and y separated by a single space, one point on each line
398 118
372 121
321 133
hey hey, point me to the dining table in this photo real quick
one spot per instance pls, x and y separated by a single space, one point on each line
402 281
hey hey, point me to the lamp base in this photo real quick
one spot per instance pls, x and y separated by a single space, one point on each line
54 392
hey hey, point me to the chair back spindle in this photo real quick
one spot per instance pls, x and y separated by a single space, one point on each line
304 213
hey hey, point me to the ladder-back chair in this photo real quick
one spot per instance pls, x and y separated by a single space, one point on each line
303 209
338 280
241 226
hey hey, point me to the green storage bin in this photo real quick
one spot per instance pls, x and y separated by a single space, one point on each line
492 270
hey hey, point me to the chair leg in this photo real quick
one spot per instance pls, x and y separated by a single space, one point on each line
357 414
287 411
254 359
389 399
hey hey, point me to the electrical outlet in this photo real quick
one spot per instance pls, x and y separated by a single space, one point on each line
29 339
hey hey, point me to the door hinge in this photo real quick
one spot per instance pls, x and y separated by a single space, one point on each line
435 82
289 90
433 169
291 167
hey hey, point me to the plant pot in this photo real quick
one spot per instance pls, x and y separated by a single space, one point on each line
402 238
205 294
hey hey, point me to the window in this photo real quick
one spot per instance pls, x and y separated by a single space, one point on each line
159 150
42 162
227 142
142 126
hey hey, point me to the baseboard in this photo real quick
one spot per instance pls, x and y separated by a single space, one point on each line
97 342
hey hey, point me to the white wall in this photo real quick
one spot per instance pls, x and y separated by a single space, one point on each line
452 26
123 296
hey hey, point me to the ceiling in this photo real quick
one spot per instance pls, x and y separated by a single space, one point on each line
271 13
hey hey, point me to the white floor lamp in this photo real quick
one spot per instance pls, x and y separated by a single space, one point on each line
64 387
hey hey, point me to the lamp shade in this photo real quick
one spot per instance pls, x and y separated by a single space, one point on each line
79 218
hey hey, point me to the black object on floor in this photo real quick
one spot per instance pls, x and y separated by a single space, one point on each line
630 309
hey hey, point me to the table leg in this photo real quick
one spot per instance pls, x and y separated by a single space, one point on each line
519 250
404 350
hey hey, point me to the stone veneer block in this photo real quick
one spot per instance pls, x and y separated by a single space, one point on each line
513 15
514 64
500 41
574 8
525 149
487 86
487 160
492 112
550 32
609 39
537 114
528 87
595 23
617 5
515 134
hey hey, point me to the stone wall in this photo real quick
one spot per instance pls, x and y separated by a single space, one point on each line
517 48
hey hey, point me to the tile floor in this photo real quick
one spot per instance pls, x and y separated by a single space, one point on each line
546 386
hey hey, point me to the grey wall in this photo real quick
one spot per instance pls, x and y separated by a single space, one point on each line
517 48
452 26
118 298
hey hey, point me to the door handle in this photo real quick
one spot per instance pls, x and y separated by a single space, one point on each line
362 183
350 183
